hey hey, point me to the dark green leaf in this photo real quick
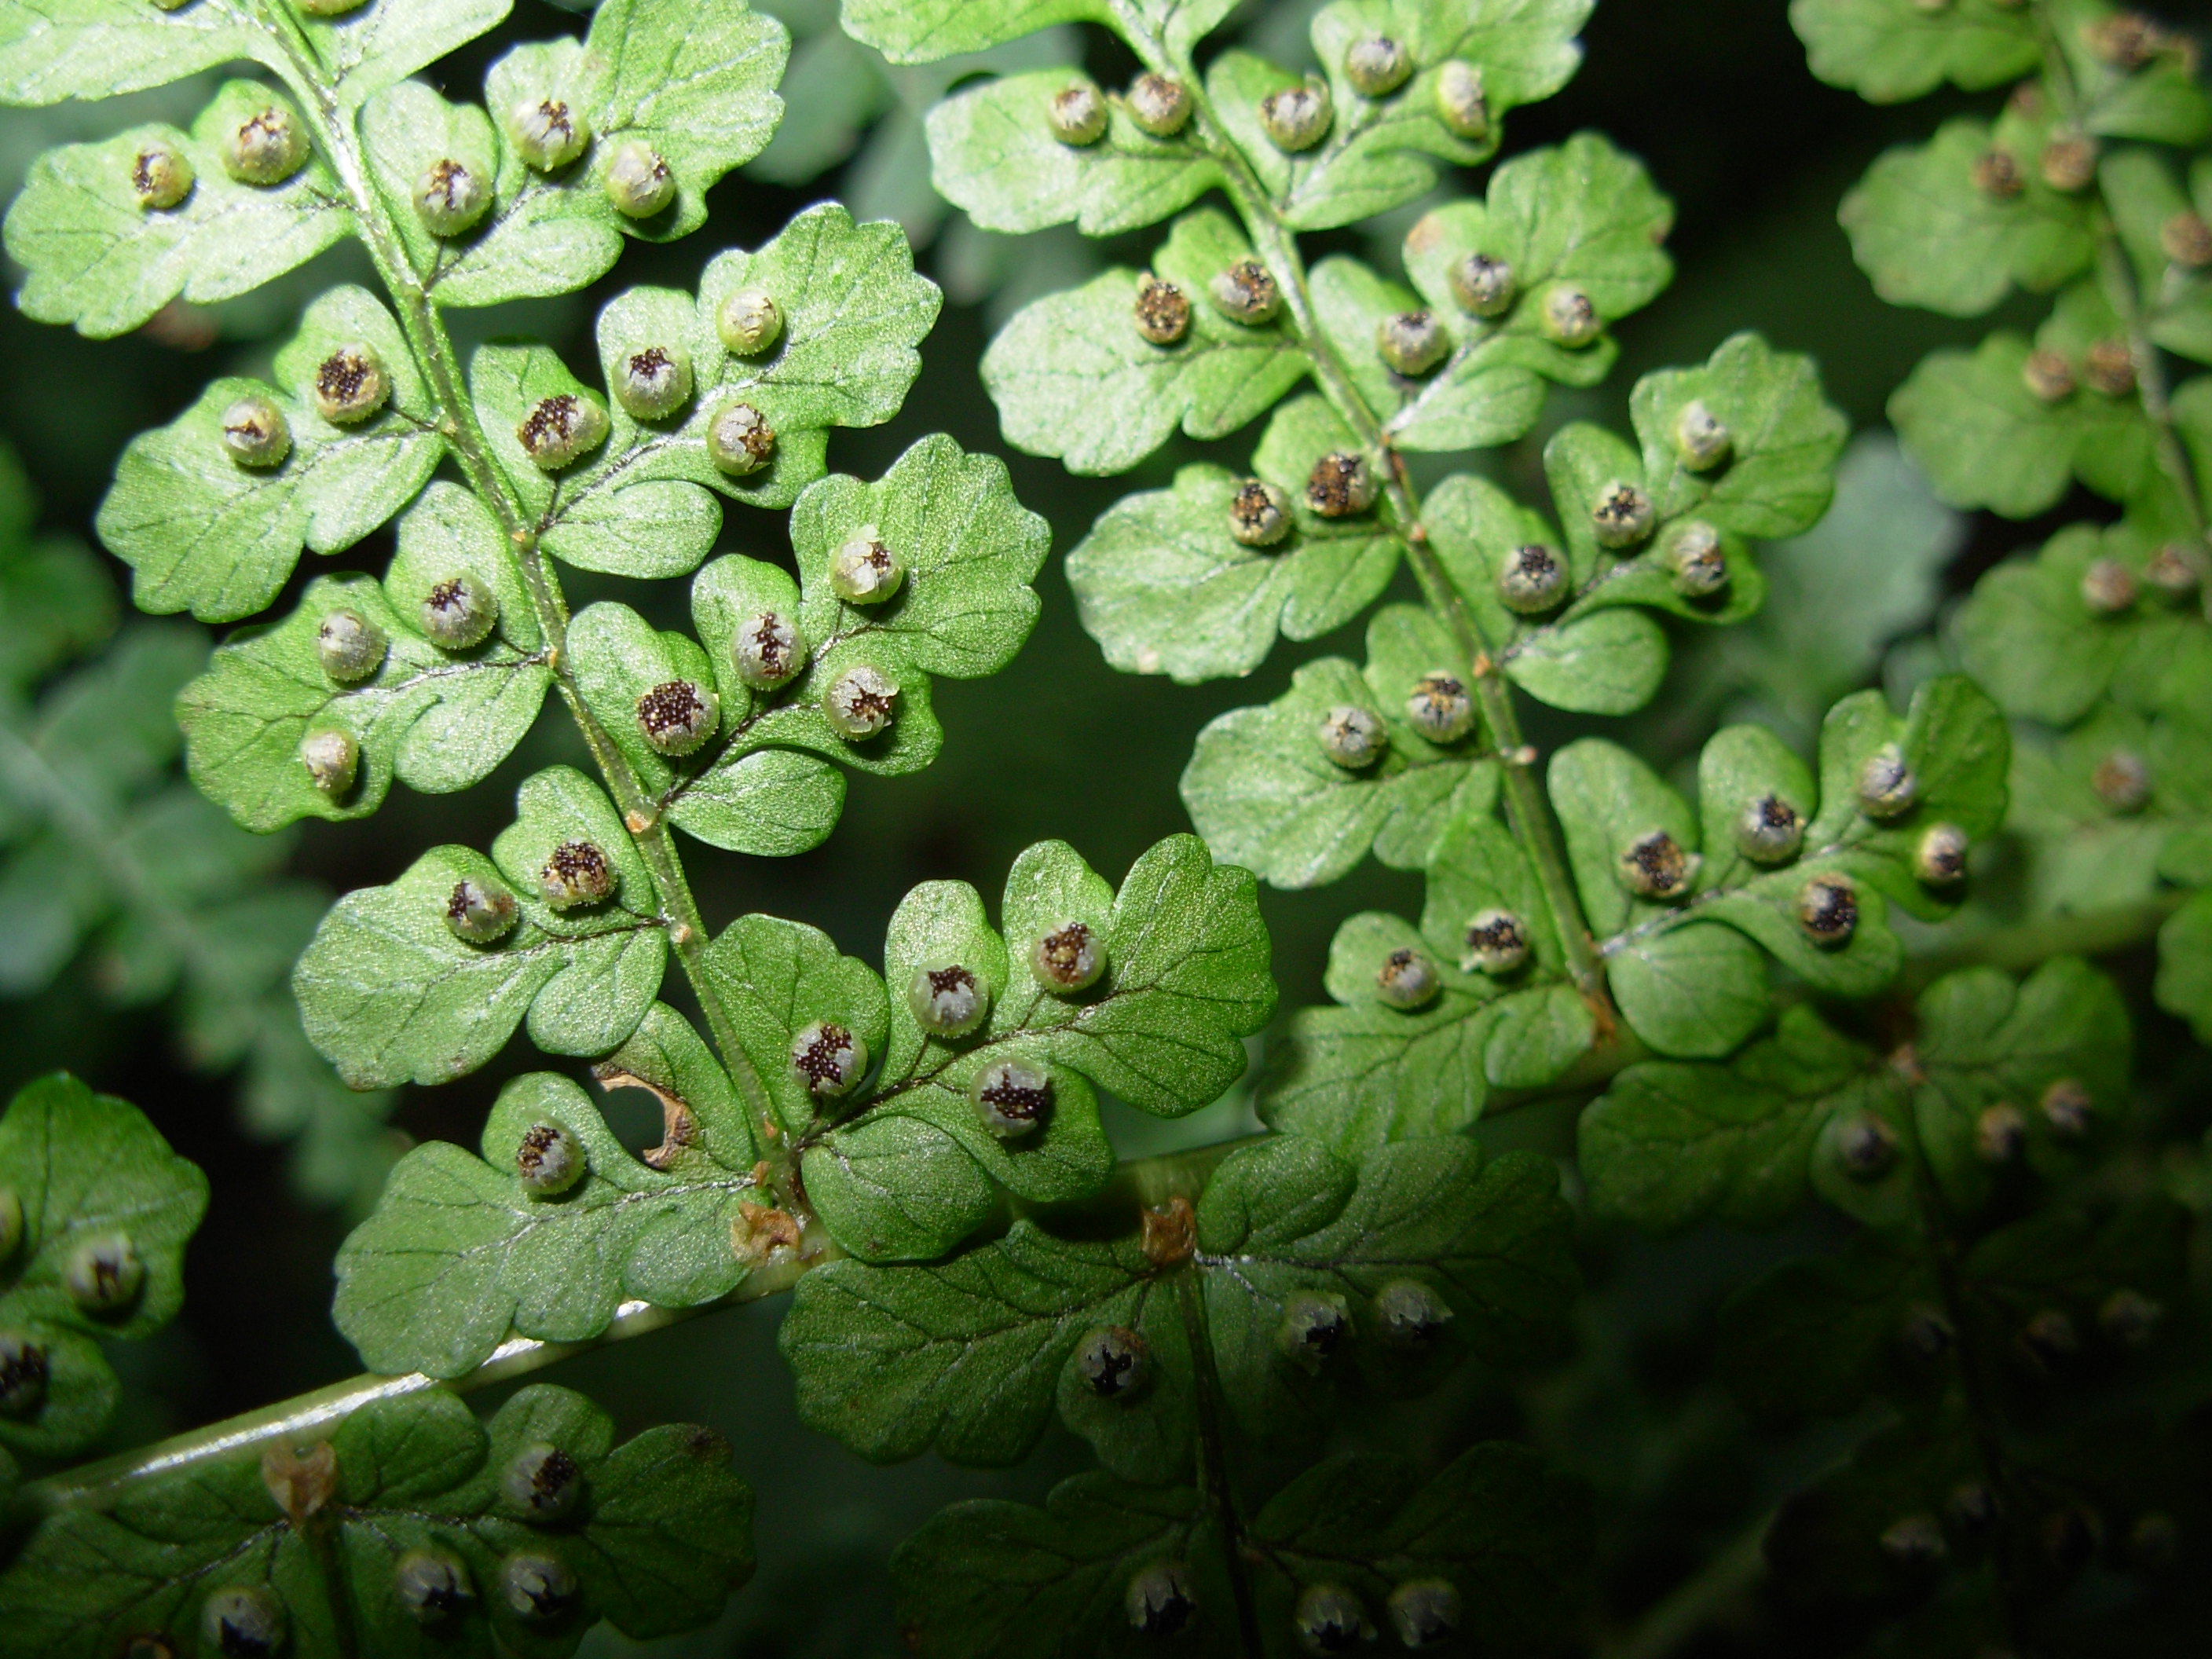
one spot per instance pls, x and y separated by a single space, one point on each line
663 1535
907 1167
95 1183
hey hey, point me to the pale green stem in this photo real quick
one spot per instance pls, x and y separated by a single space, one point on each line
1529 811
306 1418
1141 1183
434 353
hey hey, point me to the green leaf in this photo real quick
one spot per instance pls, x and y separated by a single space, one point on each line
962 609
694 83
1784 441
1364 1072
963 1354
986 1578
1584 214
1264 794
51 50
662 1535
99 261
1510 1534
906 1167
994 156
460 1254
852 311
205 534
1928 237
1985 1040
389 993
1956 743
1382 152
89 1173
364 51
1669 1145
1984 439
693 79
1672 1145
1492 1237
2185 950
1072 378
1608 663
971 1354
923 31
1165 589
1888 51
437 720
2027 635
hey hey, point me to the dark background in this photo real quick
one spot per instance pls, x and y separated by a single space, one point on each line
1715 96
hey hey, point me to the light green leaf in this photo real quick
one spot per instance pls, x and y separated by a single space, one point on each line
2027 635
969 550
1264 794
436 721
1956 742
1696 990
1365 1072
1984 439
1377 154
1928 237
1072 378
1610 662
1888 51
98 260
1584 214
86 1170
963 608
663 1535
51 50
906 1167
923 31
1165 589
693 79
852 311
994 156
1784 439
460 1254
389 994
364 51
208 535
695 83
